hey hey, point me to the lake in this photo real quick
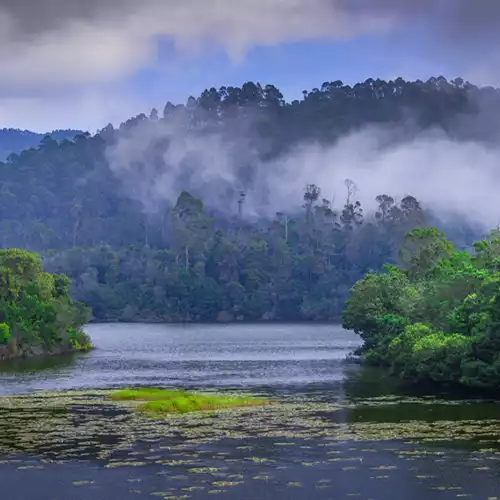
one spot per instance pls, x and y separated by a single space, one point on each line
337 430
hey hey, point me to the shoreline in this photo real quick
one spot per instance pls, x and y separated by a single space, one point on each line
7 354
213 322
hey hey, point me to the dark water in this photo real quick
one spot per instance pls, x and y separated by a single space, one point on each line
338 431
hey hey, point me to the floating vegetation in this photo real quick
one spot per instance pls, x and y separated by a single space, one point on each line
316 437
164 401
100 423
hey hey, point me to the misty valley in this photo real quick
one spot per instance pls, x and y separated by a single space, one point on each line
251 297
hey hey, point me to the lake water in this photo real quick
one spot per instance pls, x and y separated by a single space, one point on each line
338 430
200 356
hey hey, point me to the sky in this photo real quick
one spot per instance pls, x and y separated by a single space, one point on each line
74 64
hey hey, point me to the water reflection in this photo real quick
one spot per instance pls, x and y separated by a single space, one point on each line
193 356
39 364
340 430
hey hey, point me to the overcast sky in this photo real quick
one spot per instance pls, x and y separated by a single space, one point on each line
82 64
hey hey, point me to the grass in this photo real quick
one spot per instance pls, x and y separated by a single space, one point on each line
163 401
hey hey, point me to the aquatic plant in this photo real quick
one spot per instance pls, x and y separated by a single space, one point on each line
165 401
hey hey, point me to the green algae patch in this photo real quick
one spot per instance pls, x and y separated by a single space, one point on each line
147 394
159 402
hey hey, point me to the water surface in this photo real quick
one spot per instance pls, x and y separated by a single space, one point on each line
192 355
337 431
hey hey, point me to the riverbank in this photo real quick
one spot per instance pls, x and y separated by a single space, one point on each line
38 317
12 352
435 318
231 320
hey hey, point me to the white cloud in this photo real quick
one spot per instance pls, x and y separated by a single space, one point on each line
60 44
449 176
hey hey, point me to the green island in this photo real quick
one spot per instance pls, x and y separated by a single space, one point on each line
158 402
37 316
437 317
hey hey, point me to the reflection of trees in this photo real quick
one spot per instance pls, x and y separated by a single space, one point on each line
367 381
53 363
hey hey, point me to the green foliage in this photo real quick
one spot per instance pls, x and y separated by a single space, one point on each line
422 249
35 308
164 401
439 319
240 272
133 255
4 333
146 394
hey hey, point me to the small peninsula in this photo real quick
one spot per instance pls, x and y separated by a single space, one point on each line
37 316
436 317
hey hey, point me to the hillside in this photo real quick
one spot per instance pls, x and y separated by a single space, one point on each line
15 141
186 215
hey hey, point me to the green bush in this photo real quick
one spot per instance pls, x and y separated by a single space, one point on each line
4 333
35 307
439 318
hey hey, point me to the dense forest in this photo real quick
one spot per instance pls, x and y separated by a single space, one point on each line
15 140
437 317
37 315
198 251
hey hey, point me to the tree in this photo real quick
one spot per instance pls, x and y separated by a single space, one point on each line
385 206
190 224
35 307
422 249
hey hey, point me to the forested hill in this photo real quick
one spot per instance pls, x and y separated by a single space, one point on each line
158 219
15 140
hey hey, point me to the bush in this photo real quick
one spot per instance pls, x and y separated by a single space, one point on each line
35 307
438 320
4 333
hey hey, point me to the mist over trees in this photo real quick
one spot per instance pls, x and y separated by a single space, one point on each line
175 215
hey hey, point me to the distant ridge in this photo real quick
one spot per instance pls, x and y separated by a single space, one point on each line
15 140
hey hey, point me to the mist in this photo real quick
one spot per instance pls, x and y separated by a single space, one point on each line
156 160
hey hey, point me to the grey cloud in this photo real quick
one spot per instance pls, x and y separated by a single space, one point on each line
74 41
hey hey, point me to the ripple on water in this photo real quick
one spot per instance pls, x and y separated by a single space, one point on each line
336 431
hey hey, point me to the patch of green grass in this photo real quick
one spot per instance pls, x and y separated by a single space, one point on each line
146 394
163 401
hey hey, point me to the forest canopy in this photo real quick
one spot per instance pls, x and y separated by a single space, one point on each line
37 315
197 252
436 318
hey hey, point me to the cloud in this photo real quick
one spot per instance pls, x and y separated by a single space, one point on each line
71 41
446 175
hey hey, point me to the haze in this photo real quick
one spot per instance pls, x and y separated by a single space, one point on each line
73 64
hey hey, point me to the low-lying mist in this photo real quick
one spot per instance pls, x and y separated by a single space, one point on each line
156 160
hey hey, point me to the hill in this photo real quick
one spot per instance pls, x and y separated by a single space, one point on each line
196 214
15 140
